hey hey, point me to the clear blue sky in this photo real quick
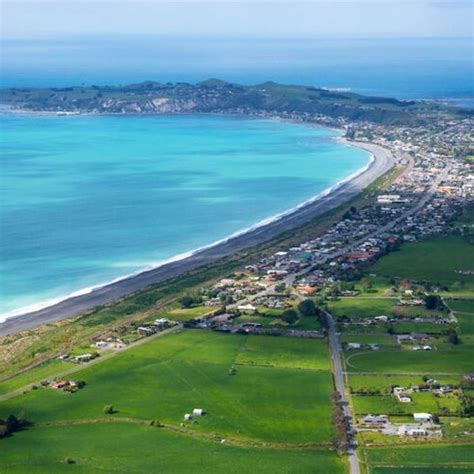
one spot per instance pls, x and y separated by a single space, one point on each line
362 18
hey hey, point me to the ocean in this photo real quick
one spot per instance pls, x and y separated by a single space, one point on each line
85 200
89 199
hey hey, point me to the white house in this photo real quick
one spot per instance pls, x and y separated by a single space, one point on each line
413 432
198 412
188 417
422 417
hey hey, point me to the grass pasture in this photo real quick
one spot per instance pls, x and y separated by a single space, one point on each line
417 459
387 404
186 314
436 261
366 308
451 359
280 393
284 352
462 306
383 383
129 448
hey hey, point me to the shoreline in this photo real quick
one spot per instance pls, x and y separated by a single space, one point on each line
60 308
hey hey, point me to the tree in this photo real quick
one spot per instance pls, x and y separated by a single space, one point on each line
453 337
109 409
280 287
433 302
12 423
186 301
307 308
366 284
290 316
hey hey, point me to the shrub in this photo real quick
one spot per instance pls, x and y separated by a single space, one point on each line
307 308
108 409
290 316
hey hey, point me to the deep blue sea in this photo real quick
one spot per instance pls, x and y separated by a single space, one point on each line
87 199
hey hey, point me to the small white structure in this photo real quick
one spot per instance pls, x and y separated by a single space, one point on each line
404 398
354 345
423 417
411 431
247 308
83 358
198 412
381 318
427 348
188 417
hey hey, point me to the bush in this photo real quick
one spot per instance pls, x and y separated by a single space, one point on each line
307 308
156 423
108 410
290 316
433 302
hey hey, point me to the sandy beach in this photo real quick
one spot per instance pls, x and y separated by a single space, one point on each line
382 162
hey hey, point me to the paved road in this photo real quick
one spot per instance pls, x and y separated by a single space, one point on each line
340 387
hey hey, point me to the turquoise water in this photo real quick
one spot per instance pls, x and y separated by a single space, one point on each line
87 199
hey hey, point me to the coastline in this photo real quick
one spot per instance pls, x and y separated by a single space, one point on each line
86 299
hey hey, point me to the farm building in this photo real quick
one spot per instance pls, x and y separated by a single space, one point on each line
413 432
423 417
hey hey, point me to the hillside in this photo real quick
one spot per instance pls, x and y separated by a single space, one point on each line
215 96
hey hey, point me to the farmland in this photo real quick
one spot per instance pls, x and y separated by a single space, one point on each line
279 393
452 360
361 308
120 447
437 261
455 458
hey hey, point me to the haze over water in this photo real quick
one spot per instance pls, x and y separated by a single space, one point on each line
87 199
408 68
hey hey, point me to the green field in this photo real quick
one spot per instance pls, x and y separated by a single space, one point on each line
362 308
435 261
387 404
284 352
422 459
280 393
383 383
185 314
451 359
129 448
466 323
463 306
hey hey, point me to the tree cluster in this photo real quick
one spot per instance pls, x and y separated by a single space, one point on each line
10 425
341 439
